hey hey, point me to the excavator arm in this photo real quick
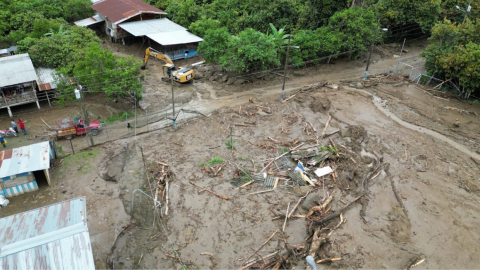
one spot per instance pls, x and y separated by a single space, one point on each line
149 52
182 76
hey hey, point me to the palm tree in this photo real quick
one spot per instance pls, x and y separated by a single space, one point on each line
279 35
60 32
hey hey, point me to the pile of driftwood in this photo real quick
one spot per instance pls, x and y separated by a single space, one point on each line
323 222
159 177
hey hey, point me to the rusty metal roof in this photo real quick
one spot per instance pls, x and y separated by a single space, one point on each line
51 237
118 11
46 79
34 157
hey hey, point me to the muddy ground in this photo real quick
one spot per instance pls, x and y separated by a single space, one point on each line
429 161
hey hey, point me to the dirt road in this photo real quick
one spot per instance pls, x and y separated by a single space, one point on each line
423 203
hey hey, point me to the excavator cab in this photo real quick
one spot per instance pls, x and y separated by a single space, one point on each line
168 71
182 76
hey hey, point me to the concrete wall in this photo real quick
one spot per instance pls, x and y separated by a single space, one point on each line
18 184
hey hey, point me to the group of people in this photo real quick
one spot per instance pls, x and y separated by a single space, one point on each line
20 124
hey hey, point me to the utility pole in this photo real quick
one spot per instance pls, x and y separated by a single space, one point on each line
465 12
173 100
79 94
371 50
285 70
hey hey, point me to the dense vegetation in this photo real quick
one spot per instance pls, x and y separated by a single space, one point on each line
238 36
251 35
43 29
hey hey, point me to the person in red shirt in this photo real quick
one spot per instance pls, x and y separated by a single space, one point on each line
21 125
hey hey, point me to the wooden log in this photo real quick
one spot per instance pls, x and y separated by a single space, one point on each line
46 123
259 192
259 260
264 243
338 212
288 98
210 191
320 208
298 203
286 218
329 260
166 196
315 242
326 126
415 261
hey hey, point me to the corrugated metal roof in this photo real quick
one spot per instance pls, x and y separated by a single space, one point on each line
173 38
34 157
50 237
89 21
46 79
16 69
118 11
142 28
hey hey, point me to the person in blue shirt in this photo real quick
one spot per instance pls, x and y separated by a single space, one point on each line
2 141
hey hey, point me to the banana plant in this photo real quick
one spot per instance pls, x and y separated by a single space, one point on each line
279 35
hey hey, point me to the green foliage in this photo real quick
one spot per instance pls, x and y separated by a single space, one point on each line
203 25
59 49
250 50
454 53
229 143
216 42
400 12
213 161
353 29
120 116
450 12
183 12
315 13
330 148
101 71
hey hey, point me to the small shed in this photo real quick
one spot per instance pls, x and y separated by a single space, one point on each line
47 84
51 237
18 81
21 169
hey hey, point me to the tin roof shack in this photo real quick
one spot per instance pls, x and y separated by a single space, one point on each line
115 12
18 81
22 168
47 84
51 237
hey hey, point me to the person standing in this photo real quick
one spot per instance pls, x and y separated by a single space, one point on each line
21 125
2 141
14 125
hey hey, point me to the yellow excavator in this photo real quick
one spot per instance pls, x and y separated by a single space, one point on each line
182 75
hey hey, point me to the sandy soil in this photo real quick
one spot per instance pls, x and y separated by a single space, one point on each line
432 164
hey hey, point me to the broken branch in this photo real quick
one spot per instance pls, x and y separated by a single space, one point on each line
210 191
326 126
264 243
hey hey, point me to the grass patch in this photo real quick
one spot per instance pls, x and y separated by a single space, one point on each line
81 162
331 149
215 160
229 143
121 116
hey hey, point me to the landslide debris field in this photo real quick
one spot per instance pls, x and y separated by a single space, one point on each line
403 192
392 200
